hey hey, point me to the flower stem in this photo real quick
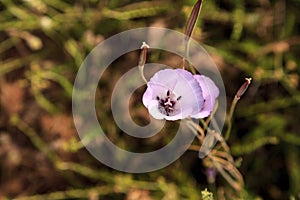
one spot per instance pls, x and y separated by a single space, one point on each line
238 95
229 117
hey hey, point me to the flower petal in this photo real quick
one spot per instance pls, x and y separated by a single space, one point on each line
182 86
165 77
153 91
154 111
210 93
190 91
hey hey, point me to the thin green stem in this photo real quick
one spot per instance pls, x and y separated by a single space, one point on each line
33 136
229 117
238 95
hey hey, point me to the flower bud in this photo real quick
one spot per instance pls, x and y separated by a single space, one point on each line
193 19
243 88
143 55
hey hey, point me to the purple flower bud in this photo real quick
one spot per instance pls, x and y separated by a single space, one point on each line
211 174
193 19
243 88
143 55
174 94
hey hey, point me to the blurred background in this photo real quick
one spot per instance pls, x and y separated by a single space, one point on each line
42 45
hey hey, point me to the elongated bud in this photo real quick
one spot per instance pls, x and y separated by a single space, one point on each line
193 19
243 88
143 54
142 60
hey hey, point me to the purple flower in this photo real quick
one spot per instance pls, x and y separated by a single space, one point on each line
174 94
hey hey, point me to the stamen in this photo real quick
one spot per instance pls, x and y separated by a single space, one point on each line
167 104
168 93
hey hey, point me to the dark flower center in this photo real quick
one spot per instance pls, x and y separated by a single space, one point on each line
166 105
